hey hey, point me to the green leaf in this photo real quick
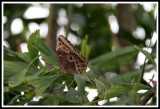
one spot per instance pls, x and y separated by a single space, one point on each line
88 50
41 83
22 87
12 68
48 100
85 49
40 73
124 56
19 78
128 100
90 75
27 58
16 63
72 95
27 97
54 71
58 94
139 86
47 54
146 53
126 78
81 81
113 103
24 56
116 91
13 64
134 98
91 103
6 89
100 87
123 102
30 44
8 53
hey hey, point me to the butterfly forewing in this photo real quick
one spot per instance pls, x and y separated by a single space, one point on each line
70 60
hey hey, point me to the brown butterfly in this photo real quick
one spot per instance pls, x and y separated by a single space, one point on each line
70 60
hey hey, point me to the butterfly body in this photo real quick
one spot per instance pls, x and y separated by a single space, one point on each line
70 60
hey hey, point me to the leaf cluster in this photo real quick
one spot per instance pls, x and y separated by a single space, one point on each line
24 72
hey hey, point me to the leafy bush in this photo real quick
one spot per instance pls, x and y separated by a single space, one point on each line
24 72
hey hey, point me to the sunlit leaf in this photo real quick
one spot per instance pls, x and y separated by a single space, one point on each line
47 54
146 53
31 47
85 48
139 86
117 91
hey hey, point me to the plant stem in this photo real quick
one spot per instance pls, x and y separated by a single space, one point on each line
142 73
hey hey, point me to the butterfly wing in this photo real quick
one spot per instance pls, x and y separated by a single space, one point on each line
69 59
